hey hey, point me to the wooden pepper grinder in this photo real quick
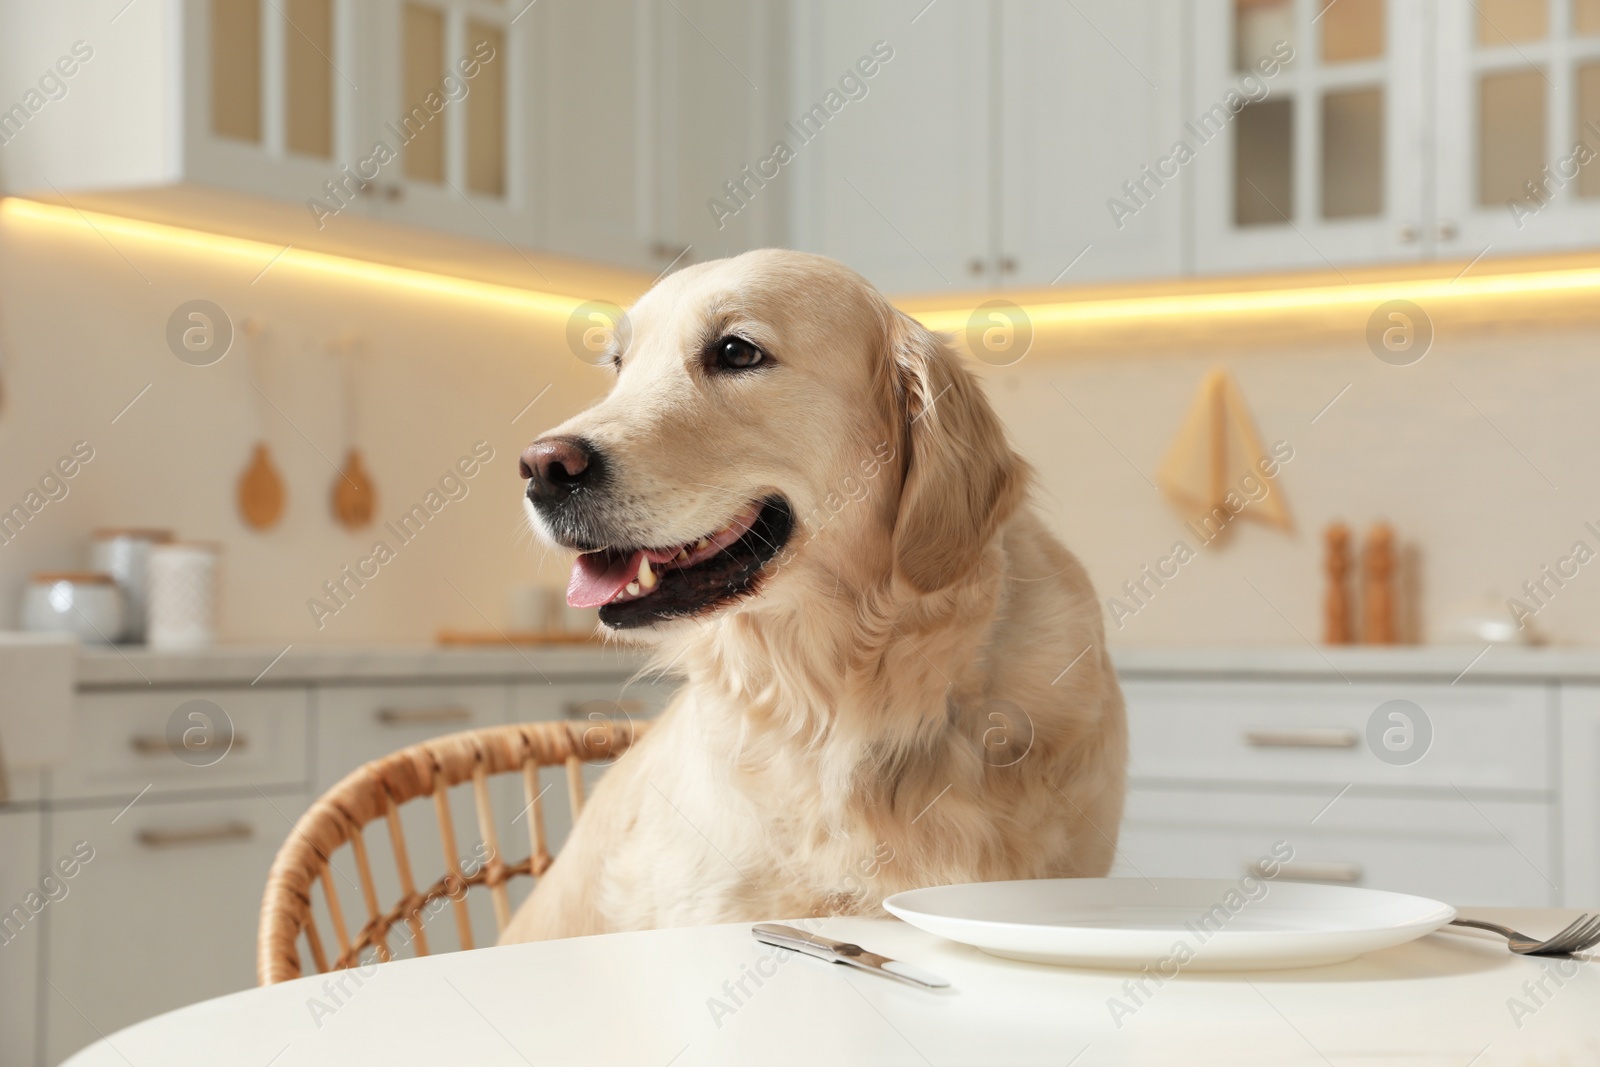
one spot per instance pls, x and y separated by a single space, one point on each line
1336 629
1378 588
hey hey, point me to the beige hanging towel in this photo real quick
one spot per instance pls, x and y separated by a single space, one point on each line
1217 461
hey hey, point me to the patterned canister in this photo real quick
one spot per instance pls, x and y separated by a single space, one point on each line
183 595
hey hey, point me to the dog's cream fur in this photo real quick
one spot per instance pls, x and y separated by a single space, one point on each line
918 691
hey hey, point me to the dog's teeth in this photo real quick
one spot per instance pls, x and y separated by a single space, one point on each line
703 544
683 553
647 577
632 589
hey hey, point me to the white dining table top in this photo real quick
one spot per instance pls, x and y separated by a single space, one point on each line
689 997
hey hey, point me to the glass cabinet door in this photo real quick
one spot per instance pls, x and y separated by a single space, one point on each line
1302 131
445 129
1519 125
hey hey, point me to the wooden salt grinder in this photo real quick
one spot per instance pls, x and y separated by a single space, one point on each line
1378 588
1336 628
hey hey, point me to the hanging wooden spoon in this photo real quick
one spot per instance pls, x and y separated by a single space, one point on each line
354 498
260 490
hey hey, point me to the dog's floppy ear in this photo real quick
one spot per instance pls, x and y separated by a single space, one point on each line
962 479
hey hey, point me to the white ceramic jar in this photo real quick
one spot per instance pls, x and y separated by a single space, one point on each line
183 595
125 555
85 603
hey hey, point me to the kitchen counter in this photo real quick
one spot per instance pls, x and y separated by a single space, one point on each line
115 668
1451 663
120 668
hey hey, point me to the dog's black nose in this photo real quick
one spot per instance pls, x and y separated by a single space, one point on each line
556 467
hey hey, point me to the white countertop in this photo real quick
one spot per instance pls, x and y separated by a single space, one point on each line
126 666
713 995
1447 662
301 664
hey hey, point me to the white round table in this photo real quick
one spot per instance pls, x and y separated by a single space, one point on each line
713 995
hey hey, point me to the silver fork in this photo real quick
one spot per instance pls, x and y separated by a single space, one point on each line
1582 934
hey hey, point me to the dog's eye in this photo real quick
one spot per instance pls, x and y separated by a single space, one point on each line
735 353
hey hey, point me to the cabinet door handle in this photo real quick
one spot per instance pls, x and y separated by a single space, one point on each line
423 716
976 266
1341 873
605 709
1407 234
1312 738
1008 265
1448 231
202 835
149 745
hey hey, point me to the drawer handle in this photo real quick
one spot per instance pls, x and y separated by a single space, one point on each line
605 709
423 716
1302 738
204 835
1342 873
146 745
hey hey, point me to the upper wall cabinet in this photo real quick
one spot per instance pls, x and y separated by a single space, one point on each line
890 134
405 109
1518 126
444 130
967 145
1090 95
1307 127
1365 131
599 129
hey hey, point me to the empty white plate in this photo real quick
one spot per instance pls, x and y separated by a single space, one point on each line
1170 924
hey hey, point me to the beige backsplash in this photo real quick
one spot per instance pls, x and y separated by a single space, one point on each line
86 335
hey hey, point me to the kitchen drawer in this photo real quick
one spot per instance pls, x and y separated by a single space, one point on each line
1480 853
173 740
162 916
1483 736
357 724
610 699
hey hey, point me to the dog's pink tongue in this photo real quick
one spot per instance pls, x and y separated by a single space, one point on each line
599 576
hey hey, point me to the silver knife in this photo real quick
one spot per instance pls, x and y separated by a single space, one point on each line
844 952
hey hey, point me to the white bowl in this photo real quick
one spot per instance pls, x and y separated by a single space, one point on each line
85 603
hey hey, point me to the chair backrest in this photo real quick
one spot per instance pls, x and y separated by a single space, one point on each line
377 791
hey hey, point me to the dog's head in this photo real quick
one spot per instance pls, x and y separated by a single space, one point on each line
775 427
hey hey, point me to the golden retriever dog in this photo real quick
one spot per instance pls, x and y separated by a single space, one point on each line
895 676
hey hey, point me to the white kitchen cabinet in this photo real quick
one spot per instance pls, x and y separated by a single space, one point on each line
1473 737
163 915
583 701
1401 130
1518 127
1450 791
1480 852
721 68
22 869
358 724
1580 793
250 96
1314 160
896 169
448 87
989 149
187 740
595 114
1090 96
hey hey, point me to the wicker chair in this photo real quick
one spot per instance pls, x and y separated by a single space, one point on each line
377 791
